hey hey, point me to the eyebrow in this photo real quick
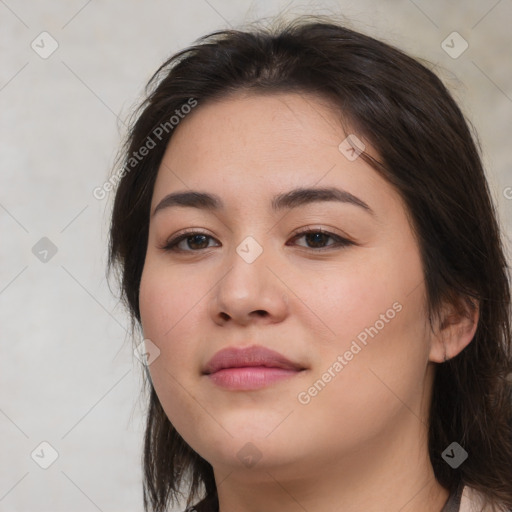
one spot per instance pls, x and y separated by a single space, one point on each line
288 200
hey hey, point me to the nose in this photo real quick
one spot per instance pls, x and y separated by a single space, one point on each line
249 292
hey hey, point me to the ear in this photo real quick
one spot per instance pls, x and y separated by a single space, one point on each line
455 329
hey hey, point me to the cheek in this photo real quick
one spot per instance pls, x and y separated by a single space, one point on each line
382 367
166 299
380 289
169 305
376 318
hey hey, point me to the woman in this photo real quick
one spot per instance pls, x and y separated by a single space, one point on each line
306 239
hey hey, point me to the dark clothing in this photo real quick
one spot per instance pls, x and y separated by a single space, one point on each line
453 502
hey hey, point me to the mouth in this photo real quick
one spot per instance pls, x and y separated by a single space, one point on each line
250 368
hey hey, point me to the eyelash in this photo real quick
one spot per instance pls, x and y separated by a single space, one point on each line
340 242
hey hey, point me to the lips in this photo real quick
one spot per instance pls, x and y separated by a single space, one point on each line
251 368
251 356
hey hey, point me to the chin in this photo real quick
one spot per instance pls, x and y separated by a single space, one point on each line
257 425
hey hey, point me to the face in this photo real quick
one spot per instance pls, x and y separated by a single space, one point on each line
333 283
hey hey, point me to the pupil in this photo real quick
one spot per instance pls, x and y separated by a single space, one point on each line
194 239
318 237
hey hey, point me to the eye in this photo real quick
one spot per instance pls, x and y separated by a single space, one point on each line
318 237
192 239
196 241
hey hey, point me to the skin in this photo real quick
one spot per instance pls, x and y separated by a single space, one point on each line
360 443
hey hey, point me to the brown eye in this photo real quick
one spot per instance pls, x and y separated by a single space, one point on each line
317 238
195 241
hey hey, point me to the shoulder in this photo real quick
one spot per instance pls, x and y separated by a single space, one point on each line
473 501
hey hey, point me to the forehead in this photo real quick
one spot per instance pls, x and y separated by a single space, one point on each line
252 146
245 129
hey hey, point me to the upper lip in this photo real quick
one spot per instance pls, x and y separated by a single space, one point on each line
233 357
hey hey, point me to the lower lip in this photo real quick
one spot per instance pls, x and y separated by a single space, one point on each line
250 377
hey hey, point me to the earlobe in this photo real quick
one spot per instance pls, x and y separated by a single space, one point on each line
455 331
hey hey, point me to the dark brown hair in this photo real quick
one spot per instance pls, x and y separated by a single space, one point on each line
426 151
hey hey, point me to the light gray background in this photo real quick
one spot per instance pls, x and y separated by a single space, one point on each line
67 371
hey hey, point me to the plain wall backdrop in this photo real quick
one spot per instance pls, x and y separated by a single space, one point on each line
70 74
